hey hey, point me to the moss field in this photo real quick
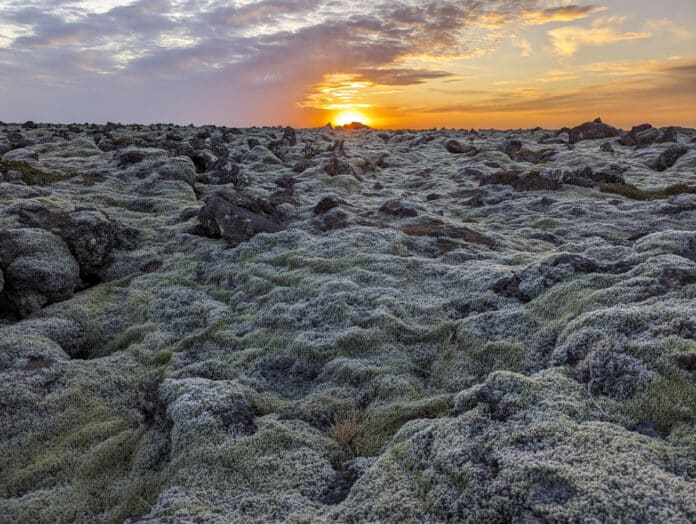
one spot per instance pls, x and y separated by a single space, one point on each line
546 373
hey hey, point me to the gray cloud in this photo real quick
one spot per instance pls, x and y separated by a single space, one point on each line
214 50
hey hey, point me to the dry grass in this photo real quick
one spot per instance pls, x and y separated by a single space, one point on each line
347 432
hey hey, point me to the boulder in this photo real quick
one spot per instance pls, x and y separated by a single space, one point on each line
399 208
89 233
586 177
335 218
326 203
641 136
38 269
517 152
670 156
236 217
338 166
529 181
606 147
457 148
595 130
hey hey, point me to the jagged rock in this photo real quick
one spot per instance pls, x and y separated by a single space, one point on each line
90 235
438 229
595 130
338 166
528 181
606 147
326 203
457 148
399 208
517 152
335 218
640 136
586 177
236 217
670 156
38 269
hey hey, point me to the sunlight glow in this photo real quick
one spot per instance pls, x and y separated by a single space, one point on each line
349 116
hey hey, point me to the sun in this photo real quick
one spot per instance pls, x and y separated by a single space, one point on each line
349 116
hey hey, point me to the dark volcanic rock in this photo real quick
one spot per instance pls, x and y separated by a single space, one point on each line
457 148
38 269
399 208
641 136
326 203
515 150
530 181
438 229
606 147
592 131
669 157
335 218
89 233
338 166
586 177
236 217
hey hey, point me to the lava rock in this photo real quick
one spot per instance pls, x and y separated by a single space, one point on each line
89 233
338 166
335 218
517 152
38 269
326 203
457 148
586 177
640 136
236 217
529 181
399 208
669 157
595 130
606 147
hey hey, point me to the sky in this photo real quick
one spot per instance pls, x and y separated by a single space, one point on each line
390 64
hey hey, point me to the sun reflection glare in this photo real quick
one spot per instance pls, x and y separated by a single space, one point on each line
349 116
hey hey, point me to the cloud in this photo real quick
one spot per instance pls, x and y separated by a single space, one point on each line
568 39
523 45
669 26
253 61
677 79
567 13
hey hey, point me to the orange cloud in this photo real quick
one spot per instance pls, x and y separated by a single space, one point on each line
559 14
567 40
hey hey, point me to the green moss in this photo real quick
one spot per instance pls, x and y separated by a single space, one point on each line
634 193
31 174
467 358
570 299
668 402
379 424
111 456
139 497
132 335
161 358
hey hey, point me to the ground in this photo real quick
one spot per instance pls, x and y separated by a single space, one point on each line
270 325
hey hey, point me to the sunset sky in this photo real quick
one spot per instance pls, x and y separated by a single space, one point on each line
467 63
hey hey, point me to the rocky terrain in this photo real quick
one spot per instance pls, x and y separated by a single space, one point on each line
269 325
